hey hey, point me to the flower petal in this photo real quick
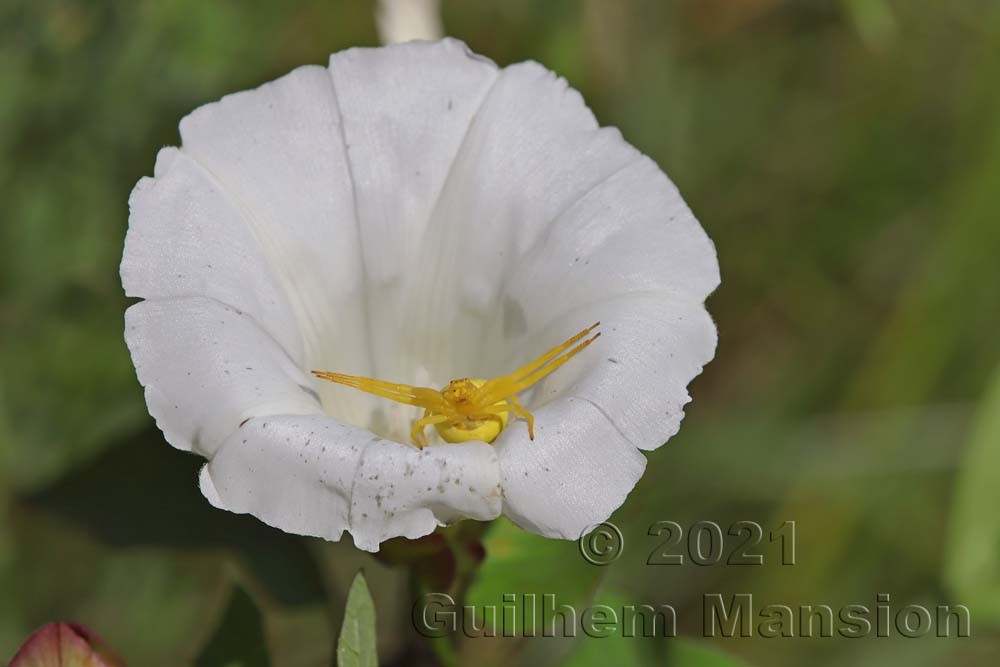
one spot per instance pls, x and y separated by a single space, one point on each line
336 174
186 238
637 373
631 255
575 473
207 368
409 492
316 476
407 109
64 645
278 154
533 150
623 393
632 232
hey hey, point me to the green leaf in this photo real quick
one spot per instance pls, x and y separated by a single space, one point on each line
972 557
142 493
356 646
151 606
615 649
532 570
874 20
521 563
239 638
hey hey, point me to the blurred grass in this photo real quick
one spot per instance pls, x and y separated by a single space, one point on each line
845 158
972 568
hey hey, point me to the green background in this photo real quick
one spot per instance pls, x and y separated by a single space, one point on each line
844 157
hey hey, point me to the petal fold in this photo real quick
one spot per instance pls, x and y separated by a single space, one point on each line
208 367
574 474
316 476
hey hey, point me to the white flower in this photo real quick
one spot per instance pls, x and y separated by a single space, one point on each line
416 214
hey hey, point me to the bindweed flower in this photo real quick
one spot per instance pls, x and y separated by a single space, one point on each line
410 216
64 645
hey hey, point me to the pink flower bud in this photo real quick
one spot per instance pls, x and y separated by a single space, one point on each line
64 645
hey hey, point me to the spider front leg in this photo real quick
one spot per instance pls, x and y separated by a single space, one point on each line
518 409
417 432
508 405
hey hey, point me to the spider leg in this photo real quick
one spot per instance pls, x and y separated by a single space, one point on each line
417 432
516 382
424 397
518 409
488 388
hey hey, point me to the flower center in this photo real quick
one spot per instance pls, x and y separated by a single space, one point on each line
470 409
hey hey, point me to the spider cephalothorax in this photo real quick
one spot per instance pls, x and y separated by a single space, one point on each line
470 409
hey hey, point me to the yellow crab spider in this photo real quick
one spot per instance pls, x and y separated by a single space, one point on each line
470 409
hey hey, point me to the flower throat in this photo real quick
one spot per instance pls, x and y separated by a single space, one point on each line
471 409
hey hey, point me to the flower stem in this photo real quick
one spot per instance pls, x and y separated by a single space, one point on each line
458 558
